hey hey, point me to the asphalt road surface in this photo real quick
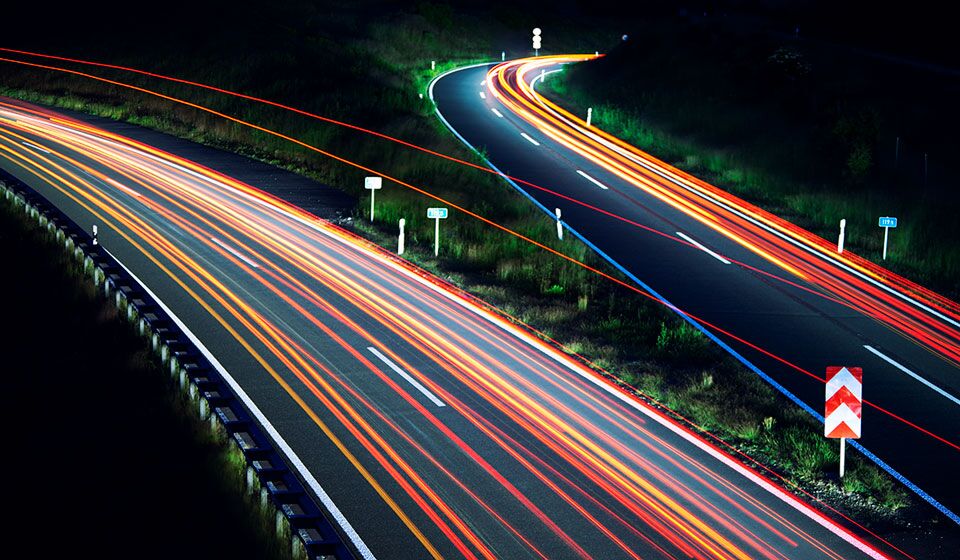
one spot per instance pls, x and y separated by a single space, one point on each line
792 301
436 427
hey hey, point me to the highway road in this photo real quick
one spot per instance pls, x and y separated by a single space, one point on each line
778 296
436 427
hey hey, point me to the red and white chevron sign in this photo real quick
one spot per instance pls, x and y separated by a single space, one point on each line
844 401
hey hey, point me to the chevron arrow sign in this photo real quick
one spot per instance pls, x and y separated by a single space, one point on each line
844 402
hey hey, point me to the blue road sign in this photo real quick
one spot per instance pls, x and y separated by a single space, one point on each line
887 221
434 213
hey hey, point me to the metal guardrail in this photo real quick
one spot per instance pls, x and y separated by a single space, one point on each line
298 516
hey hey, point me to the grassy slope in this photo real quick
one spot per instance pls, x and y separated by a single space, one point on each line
805 128
368 70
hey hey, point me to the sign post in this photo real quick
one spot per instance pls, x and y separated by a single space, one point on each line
536 41
589 115
373 184
436 214
400 238
844 402
559 226
887 222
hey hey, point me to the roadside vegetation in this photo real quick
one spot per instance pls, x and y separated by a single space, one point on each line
811 130
369 70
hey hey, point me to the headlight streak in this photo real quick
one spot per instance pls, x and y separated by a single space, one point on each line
436 154
570 132
565 439
877 315
476 216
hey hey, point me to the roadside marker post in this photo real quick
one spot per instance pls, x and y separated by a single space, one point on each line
400 238
887 222
372 184
589 115
536 41
96 241
503 55
843 229
559 226
436 214
844 404
433 64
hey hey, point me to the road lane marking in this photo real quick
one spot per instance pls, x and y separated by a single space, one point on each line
483 95
234 252
416 384
592 180
531 140
35 147
272 431
703 247
127 190
890 361
495 112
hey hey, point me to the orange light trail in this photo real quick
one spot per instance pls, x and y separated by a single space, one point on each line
315 285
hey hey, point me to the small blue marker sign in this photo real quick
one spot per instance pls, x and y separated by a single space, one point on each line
887 221
436 213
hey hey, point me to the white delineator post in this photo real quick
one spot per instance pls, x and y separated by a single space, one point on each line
96 241
400 237
372 184
433 64
503 55
436 214
589 115
843 229
536 41
559 226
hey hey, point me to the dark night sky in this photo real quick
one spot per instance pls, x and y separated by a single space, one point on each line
921 28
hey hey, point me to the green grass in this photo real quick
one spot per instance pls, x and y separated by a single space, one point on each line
638 342
812 148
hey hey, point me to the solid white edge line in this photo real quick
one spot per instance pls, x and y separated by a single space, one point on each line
816 251
531 140
778 492
703 247
288 452
592 180
416 384
916 376
234 252
495 112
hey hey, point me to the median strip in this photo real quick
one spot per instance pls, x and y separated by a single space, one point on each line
416 384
